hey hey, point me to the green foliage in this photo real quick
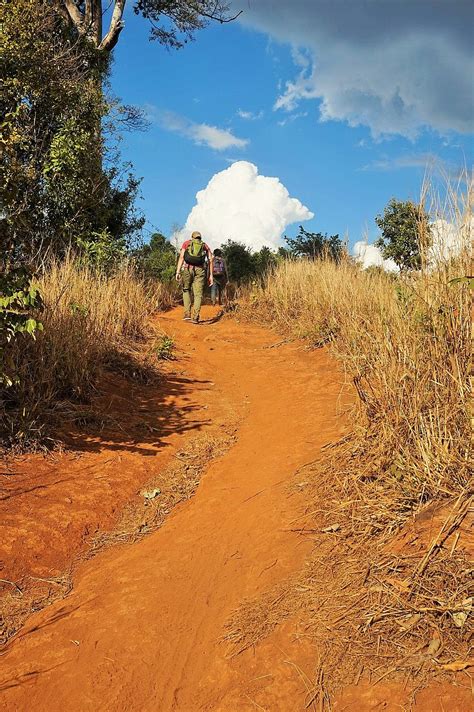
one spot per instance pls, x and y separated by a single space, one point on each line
239 260
468 281
67 152
157 259
164 349
264 260
175 21
117 212
56 181
314 245
18 299
50 93
102 251
403 223
243 265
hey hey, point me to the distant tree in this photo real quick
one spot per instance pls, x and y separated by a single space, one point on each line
157 259
283 253
313 245
404 226
240 261
264 260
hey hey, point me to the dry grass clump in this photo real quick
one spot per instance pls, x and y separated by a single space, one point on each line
90 320
32 593
401 606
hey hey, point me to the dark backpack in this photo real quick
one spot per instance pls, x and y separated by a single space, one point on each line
194 254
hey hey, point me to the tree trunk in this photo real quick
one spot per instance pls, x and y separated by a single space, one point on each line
89 23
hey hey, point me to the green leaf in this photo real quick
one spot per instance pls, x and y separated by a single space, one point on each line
463 280
30 326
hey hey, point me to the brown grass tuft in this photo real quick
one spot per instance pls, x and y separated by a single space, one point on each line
91 321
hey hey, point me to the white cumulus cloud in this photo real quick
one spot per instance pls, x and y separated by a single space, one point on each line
448 240
371 256
240 204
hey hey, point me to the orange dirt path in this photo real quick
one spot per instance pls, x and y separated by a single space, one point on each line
140 631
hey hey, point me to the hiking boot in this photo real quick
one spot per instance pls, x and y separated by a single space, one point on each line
187 317
195 320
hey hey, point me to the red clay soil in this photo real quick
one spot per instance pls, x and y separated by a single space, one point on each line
141 630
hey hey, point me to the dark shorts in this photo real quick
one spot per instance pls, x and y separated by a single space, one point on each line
220 280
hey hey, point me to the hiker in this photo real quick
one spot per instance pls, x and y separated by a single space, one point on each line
219 277
191 269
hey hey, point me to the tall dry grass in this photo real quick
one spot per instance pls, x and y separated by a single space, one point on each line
382 595
90 320
404 342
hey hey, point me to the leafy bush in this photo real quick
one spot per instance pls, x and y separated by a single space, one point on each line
164 348
102 251
18 299
157 259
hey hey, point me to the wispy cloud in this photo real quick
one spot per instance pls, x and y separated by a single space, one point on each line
413 160
292 117
250 115
201 134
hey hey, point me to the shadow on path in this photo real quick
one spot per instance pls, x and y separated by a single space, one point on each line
140 418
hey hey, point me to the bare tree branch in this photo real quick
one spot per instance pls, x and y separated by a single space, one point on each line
74 13
87 15
116 27
221 20
97 21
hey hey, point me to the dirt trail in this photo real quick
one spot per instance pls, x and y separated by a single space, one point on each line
140 631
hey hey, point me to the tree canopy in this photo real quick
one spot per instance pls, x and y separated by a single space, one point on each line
404 226
157 258
313 245
239 260
57 183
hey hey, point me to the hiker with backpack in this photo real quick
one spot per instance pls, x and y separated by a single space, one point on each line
191 269
219 277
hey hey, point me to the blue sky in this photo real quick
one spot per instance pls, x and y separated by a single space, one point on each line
343 173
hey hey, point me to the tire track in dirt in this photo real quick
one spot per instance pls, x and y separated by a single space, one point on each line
140 631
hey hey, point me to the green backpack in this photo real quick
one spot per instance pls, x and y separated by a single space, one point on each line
194 254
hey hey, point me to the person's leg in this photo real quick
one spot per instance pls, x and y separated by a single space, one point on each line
199 279
187 276
214 290
221 285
